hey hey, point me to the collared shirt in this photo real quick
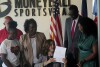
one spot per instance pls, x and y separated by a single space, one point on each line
4 34
76 20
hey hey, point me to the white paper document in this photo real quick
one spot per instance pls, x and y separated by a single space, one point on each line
59 54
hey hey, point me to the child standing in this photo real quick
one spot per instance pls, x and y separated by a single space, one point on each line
10 50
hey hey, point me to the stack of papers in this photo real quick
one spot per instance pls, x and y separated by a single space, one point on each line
59 54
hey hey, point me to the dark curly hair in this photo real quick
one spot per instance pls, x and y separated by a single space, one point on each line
89 26
46 46
12 24
27 23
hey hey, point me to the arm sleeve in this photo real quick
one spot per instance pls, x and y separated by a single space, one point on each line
43 60
95 42
3 48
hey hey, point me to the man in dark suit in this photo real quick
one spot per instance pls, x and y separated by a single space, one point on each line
72 34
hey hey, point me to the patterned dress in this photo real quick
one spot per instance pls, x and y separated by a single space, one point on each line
85 49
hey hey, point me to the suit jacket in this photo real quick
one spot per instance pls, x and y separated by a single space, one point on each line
68 39
26 46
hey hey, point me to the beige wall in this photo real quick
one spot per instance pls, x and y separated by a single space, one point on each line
89 6
43 21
